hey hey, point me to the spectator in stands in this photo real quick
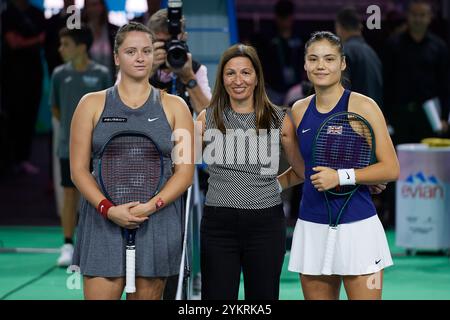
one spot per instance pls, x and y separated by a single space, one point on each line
416 69
280 55
23 36
95 15
364 70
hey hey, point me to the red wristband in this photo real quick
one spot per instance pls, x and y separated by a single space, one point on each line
104 206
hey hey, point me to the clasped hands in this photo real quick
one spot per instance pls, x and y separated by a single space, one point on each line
131 215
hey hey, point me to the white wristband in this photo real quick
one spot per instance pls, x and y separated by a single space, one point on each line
346 177
280 188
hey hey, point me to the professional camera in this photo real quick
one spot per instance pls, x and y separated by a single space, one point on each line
176 49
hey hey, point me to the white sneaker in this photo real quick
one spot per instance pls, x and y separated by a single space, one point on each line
65 259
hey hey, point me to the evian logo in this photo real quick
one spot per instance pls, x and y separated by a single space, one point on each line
419 186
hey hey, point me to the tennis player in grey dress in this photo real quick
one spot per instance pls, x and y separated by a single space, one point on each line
133 104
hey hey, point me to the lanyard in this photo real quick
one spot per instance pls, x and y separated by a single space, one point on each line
174 84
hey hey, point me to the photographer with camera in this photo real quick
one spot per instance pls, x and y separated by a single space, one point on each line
173 66
175 71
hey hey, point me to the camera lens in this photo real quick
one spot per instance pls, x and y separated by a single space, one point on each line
177 54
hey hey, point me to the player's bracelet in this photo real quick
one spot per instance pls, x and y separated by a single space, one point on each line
103 207
347 177
159 203
280 188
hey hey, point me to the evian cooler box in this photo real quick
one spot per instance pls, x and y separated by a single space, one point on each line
423 197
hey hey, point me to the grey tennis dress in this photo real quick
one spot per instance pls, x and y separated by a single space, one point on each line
100 245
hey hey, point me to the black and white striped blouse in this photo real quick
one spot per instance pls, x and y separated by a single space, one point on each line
242 166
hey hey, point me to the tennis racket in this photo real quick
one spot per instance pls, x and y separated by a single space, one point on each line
345 140
130 169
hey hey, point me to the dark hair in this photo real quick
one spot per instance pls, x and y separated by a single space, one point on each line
264 109
334 40
349 19
325 35
131 26
284 8
82 35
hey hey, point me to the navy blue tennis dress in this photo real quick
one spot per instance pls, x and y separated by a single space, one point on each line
361 246
100 245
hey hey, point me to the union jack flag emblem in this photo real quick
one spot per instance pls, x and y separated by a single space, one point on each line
334 130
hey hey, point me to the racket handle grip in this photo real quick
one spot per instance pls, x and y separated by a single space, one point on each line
329 251
130 286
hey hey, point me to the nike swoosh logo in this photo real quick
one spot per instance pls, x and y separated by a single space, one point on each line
305 130
348 177
151 120
101 208
377 262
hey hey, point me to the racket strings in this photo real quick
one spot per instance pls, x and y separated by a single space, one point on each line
344 142
131 169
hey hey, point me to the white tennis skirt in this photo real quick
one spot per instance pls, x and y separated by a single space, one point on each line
361 248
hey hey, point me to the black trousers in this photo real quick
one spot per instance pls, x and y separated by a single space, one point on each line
232 240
